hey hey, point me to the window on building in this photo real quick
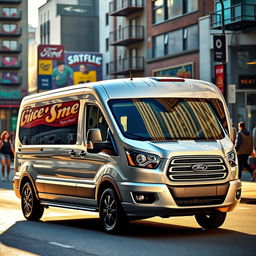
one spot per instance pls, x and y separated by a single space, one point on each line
185 39
10 28
176 41
9 77
167 9
192 37
9 61
10 12
10 45
106 19
107 68
158 46
107 44
158 11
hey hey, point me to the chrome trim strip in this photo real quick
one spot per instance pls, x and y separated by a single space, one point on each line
68 206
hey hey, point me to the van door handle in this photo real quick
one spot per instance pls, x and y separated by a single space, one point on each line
82 154
72 153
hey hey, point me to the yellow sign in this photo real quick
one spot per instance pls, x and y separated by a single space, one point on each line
80 78
45 67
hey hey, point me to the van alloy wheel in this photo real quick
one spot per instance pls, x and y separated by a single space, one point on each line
111 213
31 208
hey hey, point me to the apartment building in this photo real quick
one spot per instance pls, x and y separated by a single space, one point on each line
125 38
13 59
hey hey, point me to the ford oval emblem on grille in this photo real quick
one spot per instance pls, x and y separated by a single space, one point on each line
199 167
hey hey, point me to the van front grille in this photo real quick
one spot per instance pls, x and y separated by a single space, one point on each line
196 168
200 201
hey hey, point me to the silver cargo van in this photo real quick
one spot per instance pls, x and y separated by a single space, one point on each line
130 149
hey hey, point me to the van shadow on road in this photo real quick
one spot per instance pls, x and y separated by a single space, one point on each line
86 234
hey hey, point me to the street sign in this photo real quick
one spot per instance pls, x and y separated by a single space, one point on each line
220 77
219 47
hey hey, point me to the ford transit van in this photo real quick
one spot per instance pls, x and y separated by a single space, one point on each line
129 149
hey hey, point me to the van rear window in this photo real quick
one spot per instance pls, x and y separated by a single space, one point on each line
49 124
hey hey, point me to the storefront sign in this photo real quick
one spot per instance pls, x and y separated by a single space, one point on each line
219 48
183 71
247 82
219 77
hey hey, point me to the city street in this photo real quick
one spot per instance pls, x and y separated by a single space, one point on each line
67 232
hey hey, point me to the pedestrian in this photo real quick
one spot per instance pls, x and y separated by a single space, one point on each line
7 150
254 137
244 147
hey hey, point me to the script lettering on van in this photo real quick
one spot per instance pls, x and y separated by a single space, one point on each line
59 115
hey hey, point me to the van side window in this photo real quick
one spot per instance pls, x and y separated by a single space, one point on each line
95 119
49 124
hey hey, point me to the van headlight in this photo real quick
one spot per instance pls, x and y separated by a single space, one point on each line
231 156
144 160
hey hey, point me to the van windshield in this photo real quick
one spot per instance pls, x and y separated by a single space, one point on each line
164 119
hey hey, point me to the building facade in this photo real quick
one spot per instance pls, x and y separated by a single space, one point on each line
173 37
14 60
74 24
125 38
240 30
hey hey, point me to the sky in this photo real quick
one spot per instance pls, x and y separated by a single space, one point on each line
33 6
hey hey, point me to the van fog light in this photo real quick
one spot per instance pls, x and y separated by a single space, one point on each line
238 194
144 198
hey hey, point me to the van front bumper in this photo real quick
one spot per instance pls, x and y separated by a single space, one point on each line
179 201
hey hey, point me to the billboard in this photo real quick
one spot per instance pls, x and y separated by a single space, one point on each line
58 68
46 55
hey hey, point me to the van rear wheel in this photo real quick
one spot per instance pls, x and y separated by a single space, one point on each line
31 208
112 216
211 220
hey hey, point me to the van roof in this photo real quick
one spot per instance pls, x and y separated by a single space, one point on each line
159 87
156 87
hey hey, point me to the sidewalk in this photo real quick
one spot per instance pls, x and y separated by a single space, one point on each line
248 187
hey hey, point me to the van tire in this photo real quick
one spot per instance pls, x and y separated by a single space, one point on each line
112 216
31 208
212 220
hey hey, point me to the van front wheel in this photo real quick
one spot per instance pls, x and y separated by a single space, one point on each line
212 220
31 208
112 216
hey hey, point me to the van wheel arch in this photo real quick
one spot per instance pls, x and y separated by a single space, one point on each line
26 179
107 182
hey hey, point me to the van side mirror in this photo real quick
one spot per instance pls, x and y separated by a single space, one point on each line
233 134
95 143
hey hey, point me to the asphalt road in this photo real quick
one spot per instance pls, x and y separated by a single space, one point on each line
67 232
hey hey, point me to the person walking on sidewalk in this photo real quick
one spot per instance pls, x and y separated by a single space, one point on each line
244 147
6 150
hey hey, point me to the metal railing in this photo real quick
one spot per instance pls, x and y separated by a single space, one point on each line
10 1
235 13
127 64
125 33
117 5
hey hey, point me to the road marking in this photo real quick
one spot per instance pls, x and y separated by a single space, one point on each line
61 245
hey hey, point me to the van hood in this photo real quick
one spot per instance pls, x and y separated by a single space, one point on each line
168 149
